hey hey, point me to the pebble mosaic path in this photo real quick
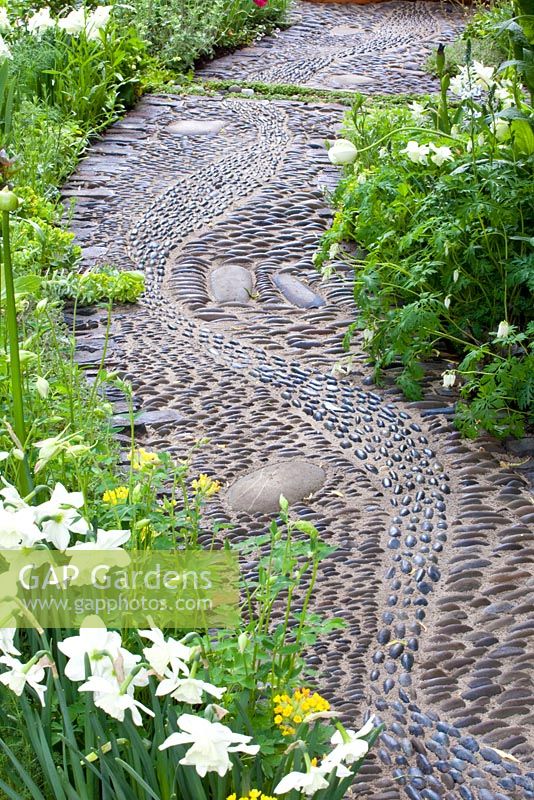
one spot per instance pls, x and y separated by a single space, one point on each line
221 202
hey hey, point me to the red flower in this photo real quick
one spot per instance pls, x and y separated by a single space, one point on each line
260 3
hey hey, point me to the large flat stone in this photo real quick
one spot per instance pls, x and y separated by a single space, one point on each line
231 284
260 490
197 127
297 292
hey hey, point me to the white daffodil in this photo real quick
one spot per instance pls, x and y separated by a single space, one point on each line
416 152
100 645
40 21
418 112
504 329
306 782
73 23
440 154
113 699
188 690
18 528
166 651
7 642
21 674
342 152
59 517
449 378
97 21
12 498
350 746
211 743
484 75
105 540
5 24
5 52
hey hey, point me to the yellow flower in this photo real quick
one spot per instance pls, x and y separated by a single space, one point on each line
254 794
205 485
142 459
289 711
115 496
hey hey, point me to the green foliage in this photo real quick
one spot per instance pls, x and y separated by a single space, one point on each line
108 284
181 33
448 255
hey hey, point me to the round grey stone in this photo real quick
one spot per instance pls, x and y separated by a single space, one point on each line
260 490
231 284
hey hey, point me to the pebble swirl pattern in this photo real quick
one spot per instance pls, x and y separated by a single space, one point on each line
433 567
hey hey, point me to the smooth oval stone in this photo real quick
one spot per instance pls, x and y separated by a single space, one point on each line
260 490
297 292
231 284
197 127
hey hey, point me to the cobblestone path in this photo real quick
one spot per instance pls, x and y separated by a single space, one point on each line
221 202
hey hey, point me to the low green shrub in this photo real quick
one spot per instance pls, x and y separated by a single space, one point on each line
181 33
440 199
106 284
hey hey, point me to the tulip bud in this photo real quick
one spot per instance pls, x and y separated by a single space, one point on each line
42 386
342 152
8 200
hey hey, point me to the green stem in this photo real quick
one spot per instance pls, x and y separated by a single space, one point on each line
25 484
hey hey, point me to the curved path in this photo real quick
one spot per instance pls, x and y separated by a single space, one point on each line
221 202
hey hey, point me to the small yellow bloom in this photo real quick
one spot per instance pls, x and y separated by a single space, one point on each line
205 485
254 794
112 497
143 459
289 711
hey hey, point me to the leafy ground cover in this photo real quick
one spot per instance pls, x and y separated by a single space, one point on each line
438 195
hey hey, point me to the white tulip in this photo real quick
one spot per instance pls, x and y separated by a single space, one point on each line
73 23
503 330
39 22
5 24
21 674
449 379
484 75
211 743
97 21
5 52
306 782
342 152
